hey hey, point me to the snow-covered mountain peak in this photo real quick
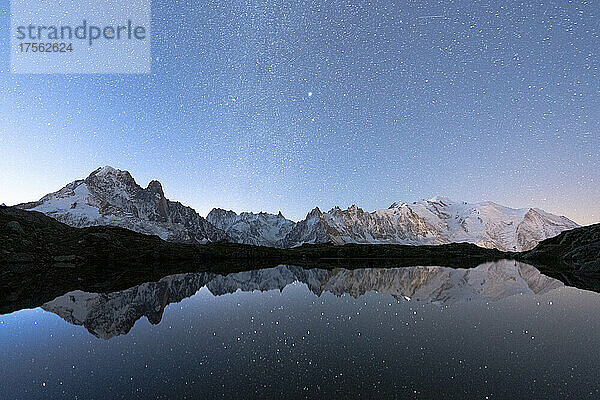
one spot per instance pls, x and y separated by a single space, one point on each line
110 196
446 201
437 200
314 213
106 170
110 174
336 210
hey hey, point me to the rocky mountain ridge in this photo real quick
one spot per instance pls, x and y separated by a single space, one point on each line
109 196
431 222
260 229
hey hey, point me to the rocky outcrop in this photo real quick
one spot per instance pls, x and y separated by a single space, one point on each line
577 249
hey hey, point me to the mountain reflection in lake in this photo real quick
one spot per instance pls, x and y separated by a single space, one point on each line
501 330
108 315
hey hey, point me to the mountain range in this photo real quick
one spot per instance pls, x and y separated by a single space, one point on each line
109 196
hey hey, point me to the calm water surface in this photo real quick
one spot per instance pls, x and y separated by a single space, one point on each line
499 331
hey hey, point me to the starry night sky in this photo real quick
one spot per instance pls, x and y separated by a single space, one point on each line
286 105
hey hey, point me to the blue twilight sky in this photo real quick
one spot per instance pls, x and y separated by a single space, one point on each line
286 105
